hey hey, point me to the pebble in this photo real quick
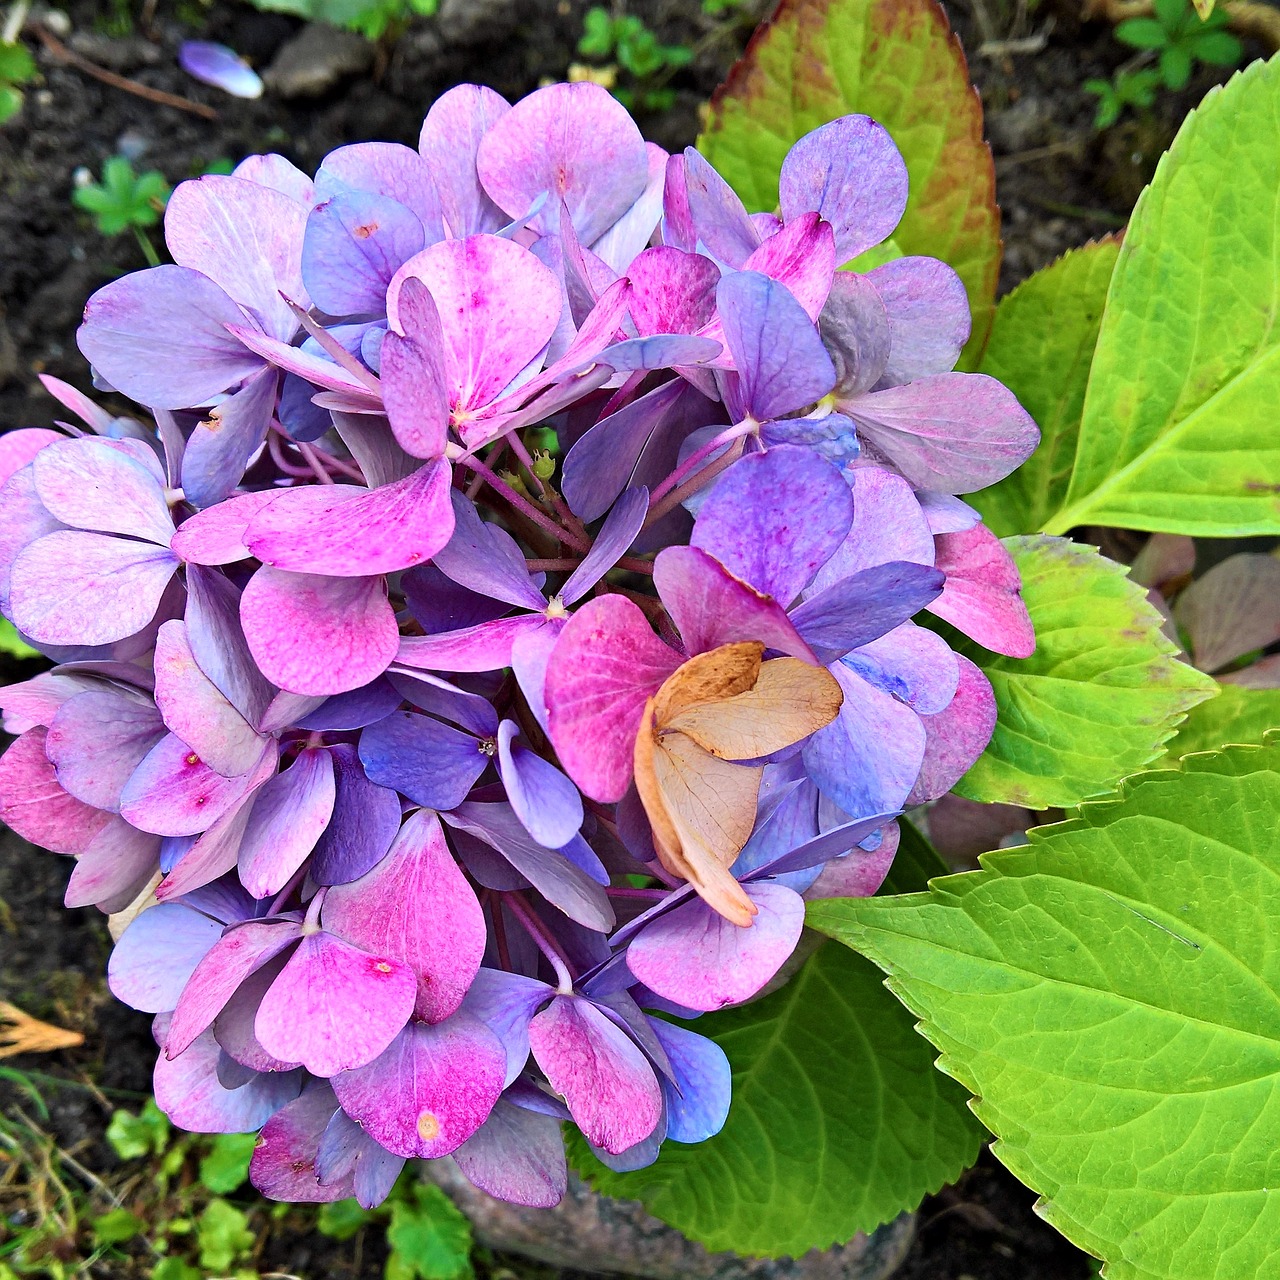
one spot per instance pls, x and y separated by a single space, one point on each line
315 60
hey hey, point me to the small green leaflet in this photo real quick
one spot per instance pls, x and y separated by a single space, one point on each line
430 1239
1237 715
895 60
1180 432
1041 348
1109 995
839 1121
1098 698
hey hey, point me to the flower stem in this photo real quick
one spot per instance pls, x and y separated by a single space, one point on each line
545 943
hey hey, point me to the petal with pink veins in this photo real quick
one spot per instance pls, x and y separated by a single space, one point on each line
283 1163
485 647
34 804
957 735
450 139
216 536
414 384
97 739
718 218
983 592
801 256
675 292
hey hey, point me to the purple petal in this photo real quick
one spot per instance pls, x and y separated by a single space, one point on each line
416 906
983 592
618 247
160 337
956 432
218 644
284 1159
573 141
366 818
558 879
77 588
719 219
530 654
867 759
865 606
698 1101
334 1006
917 666
832 843
188 1091
928 313
440 698
611 1089
158 953
233 1027
355 709
517 1156
544 800
362 532
505 1003
247 239
197 711
354 243
486 647
89 484
699 959
851 173
605 665
660 351
440 604
776 347
486 559
710 607
414 376
210 857
219 66
174 793
289 816
432 763
220 972
318 635
775 518
675 292
114 868
956 736
801 256
347 1152
385 169
616 535
97 739
857 333
430 1090
1232 610
449 141
945 512
222 445
358 388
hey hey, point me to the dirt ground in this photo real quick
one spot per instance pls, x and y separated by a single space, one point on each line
1059 184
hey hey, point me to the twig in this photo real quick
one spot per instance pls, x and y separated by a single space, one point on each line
60 53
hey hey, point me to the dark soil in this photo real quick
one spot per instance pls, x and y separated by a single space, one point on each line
1059 185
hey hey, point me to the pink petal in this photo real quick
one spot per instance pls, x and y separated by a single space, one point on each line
674 291
114 868
516 1156
216 535
485 647
334 1006
605 665
956 737
97 739
245 237
983 593
698 959
449 141
283 1166
416 906
858 874
34 804
803 257
210 857
361 533
430 1090
576 143
608 1083
289 816
498 308
77 588
318 635
19 447
279 174
414 380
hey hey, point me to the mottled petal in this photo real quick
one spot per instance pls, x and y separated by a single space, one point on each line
674 291
914 664
517 1156
801 256
983 593
387 169
284 1158
216 536
415 386
485 647
957 735
89 484
97 739
34 804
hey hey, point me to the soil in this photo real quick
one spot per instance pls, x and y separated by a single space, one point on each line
1059 182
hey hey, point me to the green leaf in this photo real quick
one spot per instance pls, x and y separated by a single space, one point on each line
17 66
1237 715
12 643
132 1137
1142 33
1109 995
1218 48
341 1219
1041 348
226 1167
116 1227
1180 432
838 1121
895 60
175 1269
1099 697
1175 66
222 1235
429 1237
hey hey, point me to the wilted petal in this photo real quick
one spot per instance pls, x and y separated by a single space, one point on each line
159 336
219 66
956 736
358 533
1232 610
334 1006
318 635
365 820
573 141
851 173
97 739
698 1099
189 1092
517 1156
290 813
983 592
222 445
600 1072
416 906
604 667
430 1090
284 1158
157 953
449 141
430 762
78 588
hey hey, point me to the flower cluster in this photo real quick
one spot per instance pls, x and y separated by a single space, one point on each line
423 780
